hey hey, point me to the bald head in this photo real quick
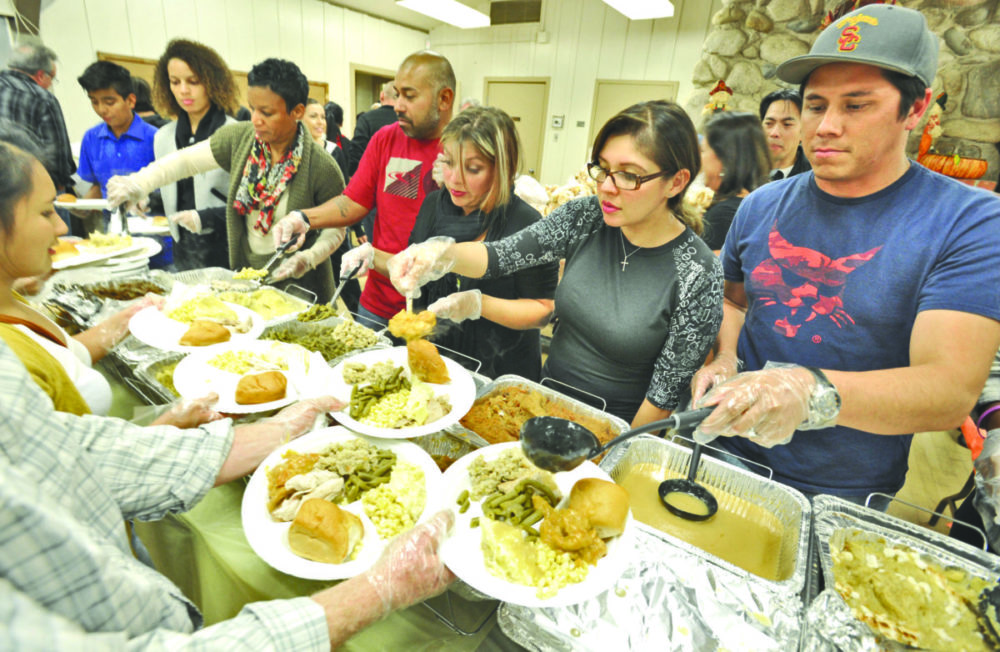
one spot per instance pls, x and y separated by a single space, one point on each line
435 67
426 86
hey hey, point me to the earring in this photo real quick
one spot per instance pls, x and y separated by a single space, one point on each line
722 174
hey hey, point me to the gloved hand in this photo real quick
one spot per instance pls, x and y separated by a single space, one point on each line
724 366
189 220
292 225
186 413
409 570
766 406
437 171
459 306
125 190
363 255
295 266
305 416
987 497
419 264
115 327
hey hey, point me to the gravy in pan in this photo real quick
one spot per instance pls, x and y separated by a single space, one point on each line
741 533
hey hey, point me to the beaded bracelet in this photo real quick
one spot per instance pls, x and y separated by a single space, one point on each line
988 412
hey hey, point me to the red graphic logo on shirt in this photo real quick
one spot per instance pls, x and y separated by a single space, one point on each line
402 177
806 283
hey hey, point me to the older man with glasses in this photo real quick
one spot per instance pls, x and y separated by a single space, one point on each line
26 100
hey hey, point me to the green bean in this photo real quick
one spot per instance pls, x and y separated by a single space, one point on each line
531 518
474 522
463 497
463 508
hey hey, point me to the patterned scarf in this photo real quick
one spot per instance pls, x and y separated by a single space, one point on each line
264 182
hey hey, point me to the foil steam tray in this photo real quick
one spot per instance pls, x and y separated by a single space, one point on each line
788 506
323 326
829 621
662 601
146 373
618 426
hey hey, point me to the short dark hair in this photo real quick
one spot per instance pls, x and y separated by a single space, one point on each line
910 89
664 133
18 152
782 94
740 144
143 99
104 74
282 78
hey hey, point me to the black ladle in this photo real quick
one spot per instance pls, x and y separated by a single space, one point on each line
556 445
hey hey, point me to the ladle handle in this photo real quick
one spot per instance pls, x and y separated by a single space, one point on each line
693 464
691 418
676 421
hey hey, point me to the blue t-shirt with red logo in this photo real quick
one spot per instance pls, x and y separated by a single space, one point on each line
837 283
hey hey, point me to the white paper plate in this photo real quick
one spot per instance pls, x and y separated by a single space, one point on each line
269 539
194 377
462 551
152 327
144 247
84 204
461 393
139 224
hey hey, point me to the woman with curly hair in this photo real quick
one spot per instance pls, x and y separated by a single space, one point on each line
193 84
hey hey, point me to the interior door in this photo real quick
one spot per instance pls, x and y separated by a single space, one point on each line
612 95
526 102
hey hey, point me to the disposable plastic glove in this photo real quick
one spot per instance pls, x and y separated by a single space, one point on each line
459 306
189 220
419 264
125 190
723 367
363 255
305 416
190 413
437 170
766 406
409 570
987 496
295 266
292 225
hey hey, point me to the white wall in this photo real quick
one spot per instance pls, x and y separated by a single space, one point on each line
587 40
322 39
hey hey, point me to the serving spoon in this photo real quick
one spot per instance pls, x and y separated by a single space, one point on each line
556 444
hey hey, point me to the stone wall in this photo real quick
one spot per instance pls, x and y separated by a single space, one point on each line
750 38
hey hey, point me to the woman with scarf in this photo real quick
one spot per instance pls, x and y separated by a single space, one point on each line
274 167
192 84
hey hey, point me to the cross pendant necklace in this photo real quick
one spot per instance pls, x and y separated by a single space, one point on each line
624 252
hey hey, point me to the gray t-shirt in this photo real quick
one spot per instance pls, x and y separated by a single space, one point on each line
627 334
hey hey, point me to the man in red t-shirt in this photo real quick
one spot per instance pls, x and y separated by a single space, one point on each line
394 175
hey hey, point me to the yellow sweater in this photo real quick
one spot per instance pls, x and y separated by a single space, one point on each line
45 370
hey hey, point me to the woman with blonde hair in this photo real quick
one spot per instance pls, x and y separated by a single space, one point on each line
192 84
477 203
640 301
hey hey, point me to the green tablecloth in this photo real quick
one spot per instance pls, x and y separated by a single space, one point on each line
205 553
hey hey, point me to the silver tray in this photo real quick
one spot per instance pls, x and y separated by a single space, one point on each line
833 517
323 326
146 373
788 506
618 426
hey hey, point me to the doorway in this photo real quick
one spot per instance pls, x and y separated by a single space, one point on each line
366 84
525 100
613 95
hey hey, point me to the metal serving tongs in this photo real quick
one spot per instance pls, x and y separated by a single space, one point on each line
251 284
278 253
343 283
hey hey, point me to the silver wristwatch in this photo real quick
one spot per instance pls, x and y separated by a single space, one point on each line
824 403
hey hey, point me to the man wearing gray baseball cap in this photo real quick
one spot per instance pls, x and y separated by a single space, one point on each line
861 297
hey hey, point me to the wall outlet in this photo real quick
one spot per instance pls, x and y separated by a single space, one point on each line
557 121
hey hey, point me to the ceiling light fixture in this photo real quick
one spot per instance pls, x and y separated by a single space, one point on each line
448 11
642 9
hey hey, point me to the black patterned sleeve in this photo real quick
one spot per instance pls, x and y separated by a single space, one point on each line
694 326
547 240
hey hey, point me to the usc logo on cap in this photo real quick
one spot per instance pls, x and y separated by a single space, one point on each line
849 35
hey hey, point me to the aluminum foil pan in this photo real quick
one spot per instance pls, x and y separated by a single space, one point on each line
829 621
146 373
663 601
617 425
789 506
322 327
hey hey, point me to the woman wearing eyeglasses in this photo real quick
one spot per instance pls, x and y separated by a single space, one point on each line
640 302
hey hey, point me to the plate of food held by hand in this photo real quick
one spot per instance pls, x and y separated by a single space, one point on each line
401 392
324 506
192 320
533 538
73 252
251 375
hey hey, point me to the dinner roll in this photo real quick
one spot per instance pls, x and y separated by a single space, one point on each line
66 198
261 388
425 362
204 332
323 532
603 502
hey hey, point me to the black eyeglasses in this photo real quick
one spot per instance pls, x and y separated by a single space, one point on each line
621 179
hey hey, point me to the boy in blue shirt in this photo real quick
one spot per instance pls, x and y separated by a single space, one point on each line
123 143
